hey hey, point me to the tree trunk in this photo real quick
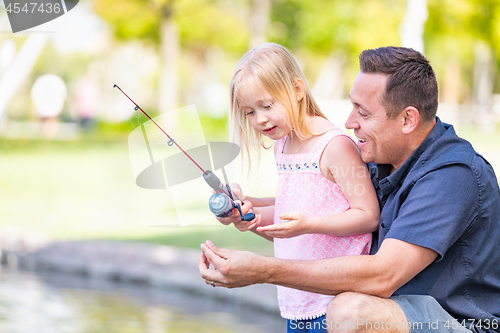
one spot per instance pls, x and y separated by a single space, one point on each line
169 51
19 70
330 81
259 21
483 87
412 27
450 110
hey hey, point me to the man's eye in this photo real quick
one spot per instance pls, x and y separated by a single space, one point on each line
361 113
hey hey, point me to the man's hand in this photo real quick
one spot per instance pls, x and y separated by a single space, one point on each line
296 224
232 269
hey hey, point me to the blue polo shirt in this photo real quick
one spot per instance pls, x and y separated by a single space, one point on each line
446 197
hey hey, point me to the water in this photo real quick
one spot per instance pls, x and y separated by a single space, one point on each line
55 303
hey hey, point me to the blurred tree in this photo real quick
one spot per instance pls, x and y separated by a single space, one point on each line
260 21
412 27
463 40
336 30
174 25
323 25
20 68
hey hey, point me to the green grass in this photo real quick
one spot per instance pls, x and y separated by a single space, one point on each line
86 190
227 237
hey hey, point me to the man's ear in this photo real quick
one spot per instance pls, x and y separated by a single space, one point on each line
411 118
300 89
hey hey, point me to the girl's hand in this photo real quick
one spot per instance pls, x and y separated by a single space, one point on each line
297 224
246 225
235 217
236 188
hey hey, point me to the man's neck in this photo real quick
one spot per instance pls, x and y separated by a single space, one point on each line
415 140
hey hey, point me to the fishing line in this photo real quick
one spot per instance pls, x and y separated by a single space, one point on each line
171 141
221 203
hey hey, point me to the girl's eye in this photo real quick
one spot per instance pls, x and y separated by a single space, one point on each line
268 106
249 113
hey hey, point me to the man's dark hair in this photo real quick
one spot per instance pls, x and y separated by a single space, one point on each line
412 81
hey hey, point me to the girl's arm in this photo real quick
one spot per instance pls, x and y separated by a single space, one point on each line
341 163
261 202
264 216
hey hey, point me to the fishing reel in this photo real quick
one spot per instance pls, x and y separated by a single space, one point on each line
222 202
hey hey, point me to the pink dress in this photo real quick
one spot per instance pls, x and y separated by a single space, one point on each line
302 188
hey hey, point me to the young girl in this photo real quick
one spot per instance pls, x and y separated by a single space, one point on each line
325 205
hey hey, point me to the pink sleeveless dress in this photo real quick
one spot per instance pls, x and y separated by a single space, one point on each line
302 188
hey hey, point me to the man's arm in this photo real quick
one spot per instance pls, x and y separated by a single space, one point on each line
380 275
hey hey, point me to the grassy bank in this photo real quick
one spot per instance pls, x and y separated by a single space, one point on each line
86 190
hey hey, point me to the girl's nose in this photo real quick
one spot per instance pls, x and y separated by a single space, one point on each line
261 118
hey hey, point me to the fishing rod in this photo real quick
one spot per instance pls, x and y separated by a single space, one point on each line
222 202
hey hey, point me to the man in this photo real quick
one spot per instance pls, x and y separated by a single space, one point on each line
434 263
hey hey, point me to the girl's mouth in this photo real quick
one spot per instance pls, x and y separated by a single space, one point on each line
270 130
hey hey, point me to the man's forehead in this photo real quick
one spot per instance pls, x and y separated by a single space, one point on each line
369 83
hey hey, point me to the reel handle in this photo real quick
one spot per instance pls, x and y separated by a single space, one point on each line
247 216
221 205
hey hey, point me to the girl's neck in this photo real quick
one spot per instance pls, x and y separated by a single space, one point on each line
317 126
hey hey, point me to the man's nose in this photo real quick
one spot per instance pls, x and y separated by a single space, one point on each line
351 122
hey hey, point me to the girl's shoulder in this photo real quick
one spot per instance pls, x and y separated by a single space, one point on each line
324 129
340 147
335 140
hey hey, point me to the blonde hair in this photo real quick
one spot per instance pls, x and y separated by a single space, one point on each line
273 68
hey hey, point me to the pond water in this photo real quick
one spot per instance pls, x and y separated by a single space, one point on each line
56 303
